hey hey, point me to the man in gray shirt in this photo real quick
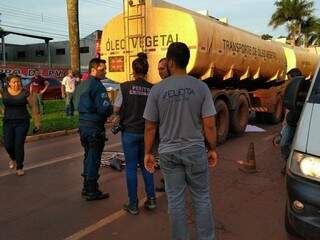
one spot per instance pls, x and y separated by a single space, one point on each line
183 109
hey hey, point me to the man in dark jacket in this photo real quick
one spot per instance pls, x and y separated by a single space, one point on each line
289 124
94 108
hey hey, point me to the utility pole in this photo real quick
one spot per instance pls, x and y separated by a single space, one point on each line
3 44
73 25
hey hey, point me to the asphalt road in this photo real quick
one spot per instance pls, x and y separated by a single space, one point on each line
46 202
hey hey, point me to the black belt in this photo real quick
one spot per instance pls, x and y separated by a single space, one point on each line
91 124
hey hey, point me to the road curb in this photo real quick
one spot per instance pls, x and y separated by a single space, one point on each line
60 133
42 136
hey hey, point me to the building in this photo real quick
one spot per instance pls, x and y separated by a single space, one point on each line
37 54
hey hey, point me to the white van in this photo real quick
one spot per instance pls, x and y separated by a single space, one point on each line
302 216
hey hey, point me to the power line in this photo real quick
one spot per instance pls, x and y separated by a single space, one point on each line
101 3
34 30
41 18
112 2
37 21
37 29
35 26
39 14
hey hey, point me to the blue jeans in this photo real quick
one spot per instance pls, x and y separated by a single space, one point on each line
182 169
14 136
287 135
133 147
93 141
69 104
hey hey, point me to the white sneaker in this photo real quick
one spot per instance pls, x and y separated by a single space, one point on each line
20 172
12 164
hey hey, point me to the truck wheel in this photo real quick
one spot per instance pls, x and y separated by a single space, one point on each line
240 116
222 121
276 117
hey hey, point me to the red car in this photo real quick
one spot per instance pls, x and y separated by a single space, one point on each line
53 91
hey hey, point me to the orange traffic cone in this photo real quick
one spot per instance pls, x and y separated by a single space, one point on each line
249 166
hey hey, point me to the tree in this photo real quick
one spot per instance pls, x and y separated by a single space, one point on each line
292 13
73 25
266 36
311 30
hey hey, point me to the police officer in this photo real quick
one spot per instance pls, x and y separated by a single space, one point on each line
94 108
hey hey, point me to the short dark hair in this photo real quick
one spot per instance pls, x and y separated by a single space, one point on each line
162 59
179 53
77 74
294 72
140 65
95 62
3 75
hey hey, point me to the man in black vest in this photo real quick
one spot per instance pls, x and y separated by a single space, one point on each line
130 104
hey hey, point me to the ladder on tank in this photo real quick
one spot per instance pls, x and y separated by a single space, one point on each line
134 19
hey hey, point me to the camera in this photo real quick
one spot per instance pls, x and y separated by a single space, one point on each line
116 128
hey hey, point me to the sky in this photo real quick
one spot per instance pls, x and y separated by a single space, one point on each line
49 17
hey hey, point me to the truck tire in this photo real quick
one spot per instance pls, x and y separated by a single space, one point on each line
222 121
240 116
276 116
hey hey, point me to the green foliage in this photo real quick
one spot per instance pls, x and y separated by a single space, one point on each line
266 36
292 13
54 118
51 106
311 30
55 121
291 10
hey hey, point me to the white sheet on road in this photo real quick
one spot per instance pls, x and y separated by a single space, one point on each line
252 128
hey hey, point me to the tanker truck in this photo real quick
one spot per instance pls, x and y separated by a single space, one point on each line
244 73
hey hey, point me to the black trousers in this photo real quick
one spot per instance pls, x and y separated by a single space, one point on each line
93 141
14 136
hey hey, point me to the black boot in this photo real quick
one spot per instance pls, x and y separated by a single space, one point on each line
93 193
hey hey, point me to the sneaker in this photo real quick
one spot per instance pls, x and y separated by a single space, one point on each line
12 164
134 210
20 172
150 203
